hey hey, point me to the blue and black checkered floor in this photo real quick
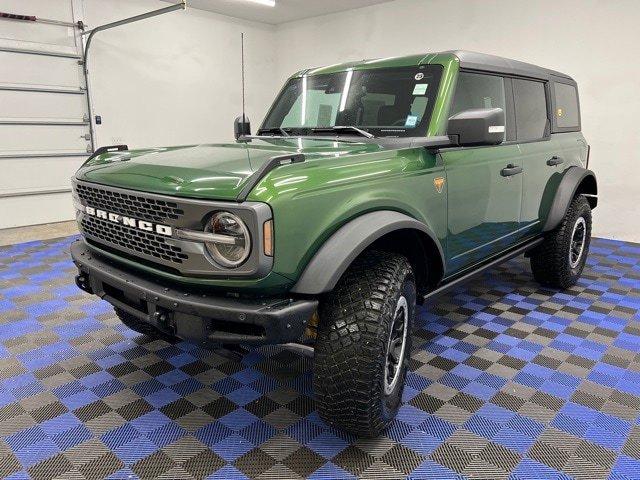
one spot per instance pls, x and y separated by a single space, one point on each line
508 380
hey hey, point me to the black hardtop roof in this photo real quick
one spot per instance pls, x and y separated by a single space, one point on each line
492 63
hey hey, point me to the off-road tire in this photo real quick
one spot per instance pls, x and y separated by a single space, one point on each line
550 262
353 338
142 327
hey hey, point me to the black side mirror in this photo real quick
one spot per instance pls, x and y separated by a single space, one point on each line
481 126
241 126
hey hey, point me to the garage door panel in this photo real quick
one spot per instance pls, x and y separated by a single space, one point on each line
14 138
21 46
36 209
41 105
52 173
43 111
25 69
50 35
51 9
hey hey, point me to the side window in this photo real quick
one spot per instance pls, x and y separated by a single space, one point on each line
566 99
476 90
531 110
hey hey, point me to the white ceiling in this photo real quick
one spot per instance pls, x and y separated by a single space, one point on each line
284 11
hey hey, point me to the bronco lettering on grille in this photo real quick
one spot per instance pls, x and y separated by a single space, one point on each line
129 222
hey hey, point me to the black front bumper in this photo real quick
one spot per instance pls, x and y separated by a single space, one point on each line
202 318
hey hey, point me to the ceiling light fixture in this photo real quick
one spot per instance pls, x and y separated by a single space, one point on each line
268 3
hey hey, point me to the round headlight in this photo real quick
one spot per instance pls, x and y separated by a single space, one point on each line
234 244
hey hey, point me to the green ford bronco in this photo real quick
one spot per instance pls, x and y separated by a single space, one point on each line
370 187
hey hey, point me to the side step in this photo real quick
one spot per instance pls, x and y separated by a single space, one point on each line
457 281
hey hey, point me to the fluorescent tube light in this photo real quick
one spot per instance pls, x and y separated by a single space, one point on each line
268 3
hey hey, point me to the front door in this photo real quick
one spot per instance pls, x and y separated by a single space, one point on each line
484 197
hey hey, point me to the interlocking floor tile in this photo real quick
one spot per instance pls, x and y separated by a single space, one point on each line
507 380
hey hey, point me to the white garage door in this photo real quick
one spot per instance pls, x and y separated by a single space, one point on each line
44 130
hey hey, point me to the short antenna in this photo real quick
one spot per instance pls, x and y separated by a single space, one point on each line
244 118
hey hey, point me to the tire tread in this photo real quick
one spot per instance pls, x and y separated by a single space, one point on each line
549 262
351 344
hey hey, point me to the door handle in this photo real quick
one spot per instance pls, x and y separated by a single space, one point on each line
553 161
510 170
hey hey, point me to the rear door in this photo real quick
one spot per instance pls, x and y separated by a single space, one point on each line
483 205
542 156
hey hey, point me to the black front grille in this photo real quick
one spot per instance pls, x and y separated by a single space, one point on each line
131 238
129 204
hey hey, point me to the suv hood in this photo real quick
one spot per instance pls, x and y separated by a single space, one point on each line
215 171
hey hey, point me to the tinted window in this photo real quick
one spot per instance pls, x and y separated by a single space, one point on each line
531 110
476 90
567 114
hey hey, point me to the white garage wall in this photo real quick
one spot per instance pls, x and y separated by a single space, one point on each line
174 79
594 41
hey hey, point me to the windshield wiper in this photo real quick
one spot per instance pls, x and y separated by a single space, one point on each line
273 130
343 128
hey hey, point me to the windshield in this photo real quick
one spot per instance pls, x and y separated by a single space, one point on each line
383 102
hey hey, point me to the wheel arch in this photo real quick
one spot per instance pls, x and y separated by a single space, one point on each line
575 181
384 229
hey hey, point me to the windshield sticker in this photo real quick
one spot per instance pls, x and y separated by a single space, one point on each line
412 121
419 76
420 89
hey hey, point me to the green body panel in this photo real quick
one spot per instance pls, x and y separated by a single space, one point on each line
217 171
540 180
312 200
487 212
484 207
476 214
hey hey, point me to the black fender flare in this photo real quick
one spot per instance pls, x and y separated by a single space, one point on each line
336 254
570 184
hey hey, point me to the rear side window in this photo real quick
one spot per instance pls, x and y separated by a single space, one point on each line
475 90
567 114
531 110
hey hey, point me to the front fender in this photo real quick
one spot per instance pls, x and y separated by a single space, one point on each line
336 254
575 180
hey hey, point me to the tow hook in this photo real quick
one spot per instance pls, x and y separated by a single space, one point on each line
163 320
82 281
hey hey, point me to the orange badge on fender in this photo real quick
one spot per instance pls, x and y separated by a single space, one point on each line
438 182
